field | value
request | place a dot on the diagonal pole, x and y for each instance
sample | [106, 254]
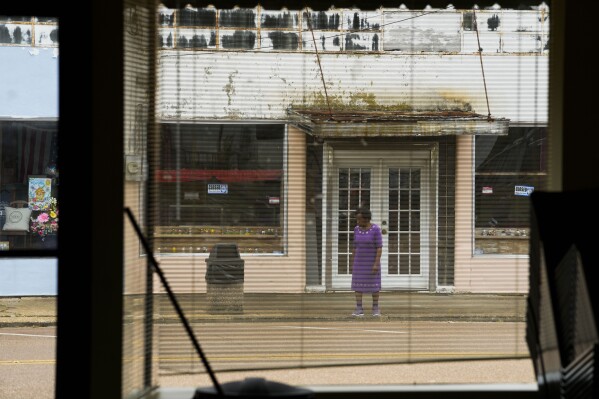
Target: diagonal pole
[173, 299]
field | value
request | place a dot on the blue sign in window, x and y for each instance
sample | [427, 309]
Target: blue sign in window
[218, 188]
[523, 191]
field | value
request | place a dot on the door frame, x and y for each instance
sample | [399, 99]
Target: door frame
[423, 155]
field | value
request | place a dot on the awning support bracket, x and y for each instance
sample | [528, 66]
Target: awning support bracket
[480, 54]
[326, 95]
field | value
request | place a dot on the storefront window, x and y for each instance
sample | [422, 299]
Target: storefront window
[221, 183]
[28, 185]
[508, 169]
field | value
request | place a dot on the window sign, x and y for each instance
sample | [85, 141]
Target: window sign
[523, 191]
[218, 188]
[487, 190]
[40, 190]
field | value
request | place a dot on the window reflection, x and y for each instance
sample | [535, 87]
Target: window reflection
[221, 183]
[508, 169]
[28, 185]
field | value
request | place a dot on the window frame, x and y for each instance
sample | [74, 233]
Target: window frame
[541, 175]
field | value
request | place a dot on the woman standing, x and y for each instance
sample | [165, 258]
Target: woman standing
[366, 273]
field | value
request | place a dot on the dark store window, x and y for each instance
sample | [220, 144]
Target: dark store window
[221, 182]
[508, 169]
[28, 185]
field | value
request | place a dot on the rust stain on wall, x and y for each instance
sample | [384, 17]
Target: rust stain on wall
[354, 101]
[230, 87]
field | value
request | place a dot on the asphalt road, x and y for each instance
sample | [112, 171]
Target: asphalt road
[27, 362]
[308, 354]
[239, 346]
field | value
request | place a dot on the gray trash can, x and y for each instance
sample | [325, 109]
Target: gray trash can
[224, 279]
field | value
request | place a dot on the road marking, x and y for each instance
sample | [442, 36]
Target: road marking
[26, 362]
[29, 335]
[342, 329]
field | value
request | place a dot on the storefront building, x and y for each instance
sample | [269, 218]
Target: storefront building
[276, 125]
[28, 162]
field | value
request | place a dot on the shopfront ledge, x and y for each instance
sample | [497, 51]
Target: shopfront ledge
[339, 124]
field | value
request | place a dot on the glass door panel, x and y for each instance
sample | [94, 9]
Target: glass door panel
[395, 186]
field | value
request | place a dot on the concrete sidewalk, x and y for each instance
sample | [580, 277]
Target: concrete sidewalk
[27, 311]
[41, 311]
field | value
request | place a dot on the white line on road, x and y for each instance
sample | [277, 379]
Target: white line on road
[29, 335]
[342, 329]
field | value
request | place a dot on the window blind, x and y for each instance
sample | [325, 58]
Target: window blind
[273, 127]
[139, 368]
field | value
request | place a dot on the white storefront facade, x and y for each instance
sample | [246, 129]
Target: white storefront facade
[272, 143]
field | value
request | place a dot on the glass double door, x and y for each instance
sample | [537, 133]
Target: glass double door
[395, 186]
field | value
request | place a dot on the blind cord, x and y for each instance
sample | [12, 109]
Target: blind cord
[171, 295]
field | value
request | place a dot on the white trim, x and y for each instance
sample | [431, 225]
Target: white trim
[378, 160]
[326, 158]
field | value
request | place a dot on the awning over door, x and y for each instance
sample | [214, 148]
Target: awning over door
[337, 124]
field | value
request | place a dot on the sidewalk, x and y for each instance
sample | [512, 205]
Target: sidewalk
[41, 311]
[27, 311]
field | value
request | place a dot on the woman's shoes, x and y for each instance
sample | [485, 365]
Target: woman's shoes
[358, 312]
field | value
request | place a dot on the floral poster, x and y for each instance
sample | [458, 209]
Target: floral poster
[47, 221]
[40, 191]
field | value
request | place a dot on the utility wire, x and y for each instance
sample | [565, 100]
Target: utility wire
[480, 54]
[326, 95]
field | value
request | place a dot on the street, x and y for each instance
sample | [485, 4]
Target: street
[244, 346]
[27, 362]
[300, 353]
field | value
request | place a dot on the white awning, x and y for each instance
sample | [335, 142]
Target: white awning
[338, 124]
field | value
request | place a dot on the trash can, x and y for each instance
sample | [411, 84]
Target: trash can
[224, 279]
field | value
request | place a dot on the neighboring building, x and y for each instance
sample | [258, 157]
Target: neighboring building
[277, 125]
[28, 137]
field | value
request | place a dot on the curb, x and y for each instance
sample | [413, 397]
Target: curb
[285, 318]
[259, 318]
